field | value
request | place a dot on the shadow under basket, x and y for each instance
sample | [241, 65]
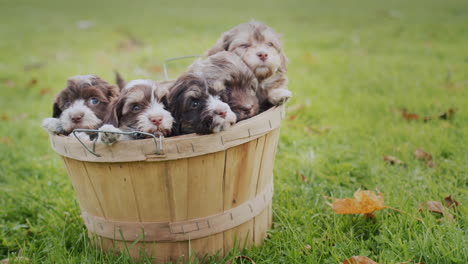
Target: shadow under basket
[198, 197]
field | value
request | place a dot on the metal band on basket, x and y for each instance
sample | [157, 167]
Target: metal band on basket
[183, 230]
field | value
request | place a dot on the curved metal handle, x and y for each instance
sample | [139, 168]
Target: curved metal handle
[158, 141]
[166, 75]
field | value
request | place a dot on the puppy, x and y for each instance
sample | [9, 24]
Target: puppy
[261, 49]
[198, 108]
[82, 104]
[140, 107]
[225, 70]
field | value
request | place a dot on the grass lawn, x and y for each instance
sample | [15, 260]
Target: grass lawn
[353, 66]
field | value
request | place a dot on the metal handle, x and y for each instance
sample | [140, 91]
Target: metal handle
[158, 141]
[166, 75]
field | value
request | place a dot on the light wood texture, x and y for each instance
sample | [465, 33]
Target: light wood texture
[199, 177]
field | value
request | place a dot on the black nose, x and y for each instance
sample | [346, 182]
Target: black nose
[262, 55]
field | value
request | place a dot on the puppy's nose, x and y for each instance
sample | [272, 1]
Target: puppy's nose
[262, 55]
[156, 120]
[76, 118]
[221, 113]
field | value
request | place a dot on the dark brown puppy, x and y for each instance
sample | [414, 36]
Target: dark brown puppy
[225, 70]
[198, 108]
[140, 107]
[261, 49]
[82, 104]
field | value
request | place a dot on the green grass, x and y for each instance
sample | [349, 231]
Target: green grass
[353, 64]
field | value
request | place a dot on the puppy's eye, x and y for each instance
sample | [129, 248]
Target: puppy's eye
[270, 44]
[244, 46]
[195, 104]
[94, 101]
[135, 108]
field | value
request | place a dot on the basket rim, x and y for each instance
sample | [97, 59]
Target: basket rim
[176, 147]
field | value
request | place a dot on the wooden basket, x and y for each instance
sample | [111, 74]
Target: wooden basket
[197, 198]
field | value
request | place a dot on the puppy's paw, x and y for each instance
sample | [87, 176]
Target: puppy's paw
[81, 135]
[109, 138]
[52, 125]
[279, 96]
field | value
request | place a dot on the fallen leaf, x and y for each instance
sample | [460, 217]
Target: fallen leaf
[409, 116]
[366, 202]
[292, 117]
[304, 179]
[422, 155]
[437, 207]
[307, 247]
[433, 206]
[240, 257]
[32, 82]
[45, 91]
[6, 140]
[393, 160]
[447, 114]
[450, 202]
[5, 118]
[155, 69]
[359, 260]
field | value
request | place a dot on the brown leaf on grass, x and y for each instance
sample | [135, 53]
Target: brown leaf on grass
[5, 118]
[292, 117]
[422, 155]
[365, 202]
[409, 116]
[240, 257]
[32, 82]
[450, 202]
[155, 69]
[437, 207]
[359, 260]
[393, 160]
[447, 114]
[6, 140]
[45, 91]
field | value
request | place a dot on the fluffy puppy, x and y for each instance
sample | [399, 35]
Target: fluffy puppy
[259, 46]
[198, 108]
[140, 107]
[82, 104]
[226, 71]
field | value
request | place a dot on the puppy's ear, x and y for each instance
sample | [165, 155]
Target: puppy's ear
[56, 112]
[112, 91]
[115, 114]
[284, 61]
[222, 44]
[119, 80]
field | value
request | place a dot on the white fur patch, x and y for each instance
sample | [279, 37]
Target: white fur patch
[82, 79]
[52, 125]
[133, 83]
[89, 119]
[214, 104]
[156, 110]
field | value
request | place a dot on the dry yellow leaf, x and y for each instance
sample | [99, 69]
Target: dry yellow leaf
[365, 202]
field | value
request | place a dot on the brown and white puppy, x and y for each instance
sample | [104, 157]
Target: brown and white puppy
[259, 46]
[198, 108]
[225, 70]
[82, 104]
[140, 107]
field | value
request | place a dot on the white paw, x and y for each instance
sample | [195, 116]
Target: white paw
[279, 96]
[81, 135]
[109, 138]
[52, 125]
